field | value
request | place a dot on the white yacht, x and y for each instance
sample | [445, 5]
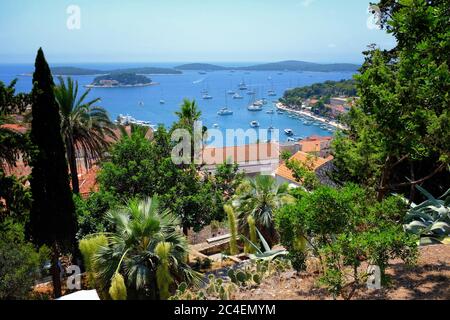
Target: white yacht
[271, 93]
[289, 132]
[237, 96]
[258, 103]
[162, 101]
[206, 96]
[231, 92]
[254, 124]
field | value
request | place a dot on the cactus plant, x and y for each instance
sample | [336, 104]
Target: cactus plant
[233, 229]
[241, 277]
[163, 276]
[256, 278]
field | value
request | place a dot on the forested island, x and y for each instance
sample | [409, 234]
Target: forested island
[115, 80]
[75, 71]
[318, 90]
[290, 65]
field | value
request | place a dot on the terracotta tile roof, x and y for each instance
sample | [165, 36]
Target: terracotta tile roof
[318, 138]
[19, 170]
[302, 157]
[242, 154]
[15, 127]
[88, 182]
[313, 143]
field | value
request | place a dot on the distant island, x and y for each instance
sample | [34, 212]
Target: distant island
[75, 71]
[290, 65]
[121, 80]
[201, 67]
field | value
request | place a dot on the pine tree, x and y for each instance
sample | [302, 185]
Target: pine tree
[52, 219]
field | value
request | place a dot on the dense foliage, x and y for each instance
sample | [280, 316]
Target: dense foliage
[399, 132]
[12, 143]
[123, 79]
[297, 96]
[20, 263]
[342, 228]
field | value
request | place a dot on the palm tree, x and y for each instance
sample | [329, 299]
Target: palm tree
[189, 113]
[260, 198]
[85, 127]
[147, 249]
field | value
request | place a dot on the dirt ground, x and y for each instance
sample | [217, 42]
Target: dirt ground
[430, 279]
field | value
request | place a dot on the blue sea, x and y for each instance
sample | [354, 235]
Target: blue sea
[143, 103]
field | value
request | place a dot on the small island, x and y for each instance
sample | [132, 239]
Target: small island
[121, 80]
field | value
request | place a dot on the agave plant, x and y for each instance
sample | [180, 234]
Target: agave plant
[268, 253]
[431, 219]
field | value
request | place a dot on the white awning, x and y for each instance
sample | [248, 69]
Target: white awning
[81, 295]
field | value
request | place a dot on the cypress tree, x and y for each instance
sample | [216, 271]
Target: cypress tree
[52, 219]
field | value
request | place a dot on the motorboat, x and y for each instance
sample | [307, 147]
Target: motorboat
[289, 132]
[254, 124]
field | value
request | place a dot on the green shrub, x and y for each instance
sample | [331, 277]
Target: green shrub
[89, 247]
[20, 263]
[91, 212]
[342, 228]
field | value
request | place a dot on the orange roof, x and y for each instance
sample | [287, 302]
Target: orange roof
[318, 138]
[19, 170]
[304, 158]
[241, 154]
[15, 127]
[88, 182]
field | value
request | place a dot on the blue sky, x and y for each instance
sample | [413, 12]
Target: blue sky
[188, 30]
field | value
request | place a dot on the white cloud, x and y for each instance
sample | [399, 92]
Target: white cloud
[306, 3]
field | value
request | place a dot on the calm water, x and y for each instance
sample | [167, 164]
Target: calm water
[173, 88]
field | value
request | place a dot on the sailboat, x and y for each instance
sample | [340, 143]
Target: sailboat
[271, 92]
[206, 95]
[162, 101]
[255, 105]
[225, 111]
[243, 86]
